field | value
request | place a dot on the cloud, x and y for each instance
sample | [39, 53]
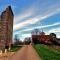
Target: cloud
[51, 25]
[25, 35]
[58, 23]
[31, 20]
[19, 20]
[54, 30]
[58, 36]
[22, 24]
[25, 21]
[23, 15]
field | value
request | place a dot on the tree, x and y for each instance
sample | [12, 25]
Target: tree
[55, 40]
[53, 34]
[16, 37]
[17, 40]
[35, 32]
[27, 40]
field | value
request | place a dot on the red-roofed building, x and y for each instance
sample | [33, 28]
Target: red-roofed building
[41, 38]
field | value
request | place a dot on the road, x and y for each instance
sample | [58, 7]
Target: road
[27, 52]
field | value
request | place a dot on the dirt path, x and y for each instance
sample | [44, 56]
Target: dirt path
[4, 56]
[27, 52]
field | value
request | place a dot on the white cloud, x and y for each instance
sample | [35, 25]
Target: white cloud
[48, 25]
[26, 35]
[26, 13]
[58, 9]
[27, 22]
[58, 36]
[54, 30]
[58, 23]
[31, 16]
[22, 16]
[31, 20]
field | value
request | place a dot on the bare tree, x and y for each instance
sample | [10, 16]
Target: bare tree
[35, 32]
[16, 37]
[17, 40]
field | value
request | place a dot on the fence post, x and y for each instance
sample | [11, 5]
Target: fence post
[5, 50]
[0, 52]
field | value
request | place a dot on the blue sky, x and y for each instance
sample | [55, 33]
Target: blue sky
[31, 14]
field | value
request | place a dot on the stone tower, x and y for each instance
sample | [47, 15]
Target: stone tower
[6, 28]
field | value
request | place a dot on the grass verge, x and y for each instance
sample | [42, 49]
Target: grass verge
[45, 53]
[15, 48]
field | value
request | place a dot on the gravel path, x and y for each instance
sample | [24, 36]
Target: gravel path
[27, 52]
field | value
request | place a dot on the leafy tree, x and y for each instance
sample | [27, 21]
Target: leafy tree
[53, 34]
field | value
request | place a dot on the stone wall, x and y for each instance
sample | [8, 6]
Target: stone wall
[6, 27]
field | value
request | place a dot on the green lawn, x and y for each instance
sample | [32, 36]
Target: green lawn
[15, 48]
[45, 53]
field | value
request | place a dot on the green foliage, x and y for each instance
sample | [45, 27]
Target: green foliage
[45, 53]
[15, 48]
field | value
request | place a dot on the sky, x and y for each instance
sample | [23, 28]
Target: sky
[31, 14]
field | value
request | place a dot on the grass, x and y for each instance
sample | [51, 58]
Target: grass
[54, 48]
[45, 53]
[15, 48]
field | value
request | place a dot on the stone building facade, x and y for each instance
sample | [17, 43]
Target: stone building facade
[6, 28]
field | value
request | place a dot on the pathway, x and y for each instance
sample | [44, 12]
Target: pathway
[27, 52]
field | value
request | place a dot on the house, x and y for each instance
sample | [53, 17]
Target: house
[41, 38]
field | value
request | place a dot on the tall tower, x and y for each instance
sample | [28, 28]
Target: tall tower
[7, 26]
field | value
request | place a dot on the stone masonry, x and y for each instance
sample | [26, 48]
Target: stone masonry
[6, 28]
